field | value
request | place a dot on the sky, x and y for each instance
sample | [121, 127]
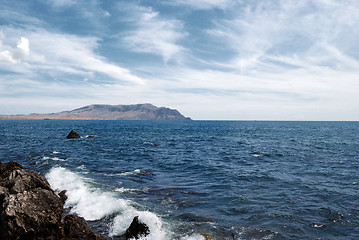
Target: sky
[209, 59]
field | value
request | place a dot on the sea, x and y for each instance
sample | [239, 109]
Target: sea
[199, 180]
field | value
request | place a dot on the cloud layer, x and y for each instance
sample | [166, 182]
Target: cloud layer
[221, 59]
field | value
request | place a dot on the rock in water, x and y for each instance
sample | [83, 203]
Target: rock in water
[72, 135]
[75, 227]
[137, 229]
[63, 196]
[30, 209]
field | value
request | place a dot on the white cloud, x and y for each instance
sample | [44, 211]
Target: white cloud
[205, 4]
[64, 54]
[23, 49]
[154, 34]
[262, 30]
[7, 57]
[62, 3]
[18, 54]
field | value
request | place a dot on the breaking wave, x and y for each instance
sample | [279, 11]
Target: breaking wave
[93, 203]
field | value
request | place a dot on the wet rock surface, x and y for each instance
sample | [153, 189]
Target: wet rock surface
[137, 229]
[30, 209]
[73, 135]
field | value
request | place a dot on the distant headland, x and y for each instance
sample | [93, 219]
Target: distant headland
[145, 111]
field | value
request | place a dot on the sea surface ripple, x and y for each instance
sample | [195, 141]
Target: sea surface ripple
[199, 179]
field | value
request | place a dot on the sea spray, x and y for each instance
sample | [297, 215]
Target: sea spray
[120, 224]
[94, 204]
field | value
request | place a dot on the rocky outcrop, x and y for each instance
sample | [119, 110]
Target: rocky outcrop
[30, 209]
[72, 135]
[137, 229]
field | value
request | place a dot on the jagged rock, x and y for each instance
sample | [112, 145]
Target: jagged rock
[77, 228]
[137, 229]
[30, 209]
[63, 196]
[72, 135]
[6, 169]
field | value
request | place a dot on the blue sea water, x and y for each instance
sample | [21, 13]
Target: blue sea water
[199, 179]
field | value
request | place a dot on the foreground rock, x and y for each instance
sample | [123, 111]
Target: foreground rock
[30, 209]
[72, 135]
[137, 229]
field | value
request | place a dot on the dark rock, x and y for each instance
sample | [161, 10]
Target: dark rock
[19, 181]
[72, 135]
[137, 229]
[30, 209]
[75, 227]
[63, 196]
[147, 173]
[30, 215]
[6, 169]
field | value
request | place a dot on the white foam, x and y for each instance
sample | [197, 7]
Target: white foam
[90, 203]
[82, 167]
[52, 158]
[123, 190]
[136, 171]
[257, 155]
[194, 237]
[121, 223]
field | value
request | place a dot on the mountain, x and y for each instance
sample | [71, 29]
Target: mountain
[110, 112]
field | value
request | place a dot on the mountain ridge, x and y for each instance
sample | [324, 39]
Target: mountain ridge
[144, 111]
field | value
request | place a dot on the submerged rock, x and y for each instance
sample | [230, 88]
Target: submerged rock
[137, 229]
[30, 209]
[72, 135]
[146, 173]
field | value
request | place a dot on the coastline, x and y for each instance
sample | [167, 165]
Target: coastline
[31, 209]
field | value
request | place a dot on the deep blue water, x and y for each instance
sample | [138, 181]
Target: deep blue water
[228, 180]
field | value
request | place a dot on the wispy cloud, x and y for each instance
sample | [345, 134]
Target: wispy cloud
[205, 4]
[154, 34]
[65, 54]
[292, 29]
[62, 3]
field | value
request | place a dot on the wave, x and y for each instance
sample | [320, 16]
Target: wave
[93, 203]
[53, 158]
[90, 203]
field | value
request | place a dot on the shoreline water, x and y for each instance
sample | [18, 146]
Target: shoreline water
[241, 180]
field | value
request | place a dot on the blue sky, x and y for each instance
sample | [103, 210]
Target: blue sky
[213, 59]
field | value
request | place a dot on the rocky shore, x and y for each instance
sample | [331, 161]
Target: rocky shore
[31, 209]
